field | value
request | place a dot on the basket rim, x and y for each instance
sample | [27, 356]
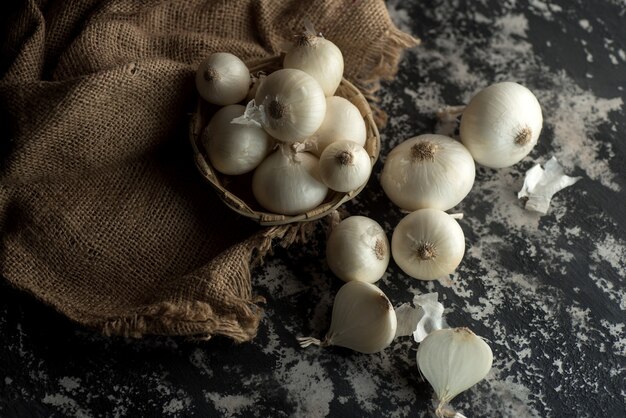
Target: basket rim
[266, 218]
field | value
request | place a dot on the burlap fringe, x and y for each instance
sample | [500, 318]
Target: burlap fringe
[285, 235]
[197, 319]
[170, 316]
[383, 65]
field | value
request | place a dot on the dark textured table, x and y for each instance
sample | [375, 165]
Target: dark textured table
[547, 292]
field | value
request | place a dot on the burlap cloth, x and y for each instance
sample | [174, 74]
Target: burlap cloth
[102, 213]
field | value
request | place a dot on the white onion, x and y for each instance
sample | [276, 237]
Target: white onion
[222, 79]
[453, 360]
[358, 249]
[428, 244]
[363, 320]
[343, 122]
[319, 58]
[288, 183]
[291, 105]
[428, 171]
[501, 124]
[234, 149]
[345, 166]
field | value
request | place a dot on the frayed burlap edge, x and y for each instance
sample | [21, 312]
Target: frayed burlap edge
[239, 320]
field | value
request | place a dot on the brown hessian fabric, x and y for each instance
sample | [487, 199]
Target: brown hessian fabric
[102, 213]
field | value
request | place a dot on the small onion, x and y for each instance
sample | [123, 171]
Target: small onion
[234, 149]
[428, 171]
[292, 105]
[345, 166]
[222, 79]
[363, 320]
[358, 249]
[501, 124]
[343, 122]
[453, 360]
[428, 244]
[319, 57]
[288, 183]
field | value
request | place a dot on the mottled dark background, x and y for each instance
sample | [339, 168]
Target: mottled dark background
[547, 292]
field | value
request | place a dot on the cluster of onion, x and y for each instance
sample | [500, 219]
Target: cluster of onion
[425, 175]
[364, 320]
[299, 139]
[429, 174]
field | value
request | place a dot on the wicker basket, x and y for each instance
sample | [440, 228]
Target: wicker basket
[236, 191]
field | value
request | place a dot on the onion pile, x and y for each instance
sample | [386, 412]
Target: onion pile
[425, 176]
[429, 174]
[299, 139]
